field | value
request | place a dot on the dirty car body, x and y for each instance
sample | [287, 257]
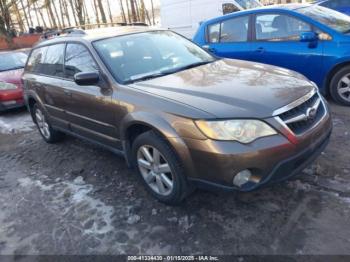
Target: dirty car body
[181, 117]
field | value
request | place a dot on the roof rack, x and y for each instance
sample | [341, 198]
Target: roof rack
[65, 31]
[79, 30]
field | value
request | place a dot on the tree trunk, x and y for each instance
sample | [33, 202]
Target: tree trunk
[142, 11]
[153, 21]
[102, 11]
[128, 9]
[56, 13]
[50, 12]
[73, 12]
[61, 12]
[18, 16]
[96, 14]
[25, 13]
[109, 11]
[137, 10]
[41, 14]
[65, 7]
[86, 13]
[133, 11]
[5, 23]
[122, 11]
[80, 12]
[29, 15]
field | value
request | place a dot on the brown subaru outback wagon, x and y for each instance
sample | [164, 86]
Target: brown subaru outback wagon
[181, 117]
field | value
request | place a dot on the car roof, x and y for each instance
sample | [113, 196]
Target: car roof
[91, 35]
[287, 7]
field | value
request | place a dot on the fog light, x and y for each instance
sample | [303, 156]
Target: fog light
[242, 177]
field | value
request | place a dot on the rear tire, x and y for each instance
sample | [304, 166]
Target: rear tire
[49, 134]
[159, 168]
[340, 86]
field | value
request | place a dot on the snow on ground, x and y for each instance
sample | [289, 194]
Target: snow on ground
[15, 122]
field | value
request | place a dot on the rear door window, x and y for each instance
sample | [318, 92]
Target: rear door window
[53, 60]
[229, 31]
[78, 59]
[36, 60]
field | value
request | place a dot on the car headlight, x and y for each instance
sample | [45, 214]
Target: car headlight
[7, 86]
[243, 131]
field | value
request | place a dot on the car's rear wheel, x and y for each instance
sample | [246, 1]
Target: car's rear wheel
[46, 131]
[340, 86]
[160, 169]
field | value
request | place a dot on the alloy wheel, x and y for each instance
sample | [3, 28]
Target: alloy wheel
[155, 170]
[42, 124]
[344, 87]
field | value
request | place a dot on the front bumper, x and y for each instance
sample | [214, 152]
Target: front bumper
[213, 164]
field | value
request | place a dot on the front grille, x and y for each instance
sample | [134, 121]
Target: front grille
[304, 116]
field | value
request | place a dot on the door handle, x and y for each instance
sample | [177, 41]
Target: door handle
[260, 50]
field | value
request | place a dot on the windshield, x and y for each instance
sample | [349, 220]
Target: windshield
[248, 4]
[151, 54]
[328, 17]
[11, 61]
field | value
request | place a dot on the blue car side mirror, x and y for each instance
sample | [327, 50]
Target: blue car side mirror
[308, 37]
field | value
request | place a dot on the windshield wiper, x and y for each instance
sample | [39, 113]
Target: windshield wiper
[167, 72]
[172, 71]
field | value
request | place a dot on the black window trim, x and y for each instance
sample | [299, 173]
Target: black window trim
[64, 58]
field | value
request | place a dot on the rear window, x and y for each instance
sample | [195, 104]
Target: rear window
[12, 61]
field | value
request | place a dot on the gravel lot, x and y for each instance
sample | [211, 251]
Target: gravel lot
[76, 198]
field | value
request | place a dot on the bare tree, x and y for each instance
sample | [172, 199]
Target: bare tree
[50, 13]
[128, 9]
[109, 11]
[66, 13]
[18, 15]
[153, 22]
[133, 11]
[79, 8]
[56, 13]
[60, 4]
[29, 16]
[102, 11]
[122, 10]
[96, 13]
[5, 21]
[25, 13]
[39, 10]
[73, 12]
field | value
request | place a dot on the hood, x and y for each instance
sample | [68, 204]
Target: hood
[231, 88]
[11, 76]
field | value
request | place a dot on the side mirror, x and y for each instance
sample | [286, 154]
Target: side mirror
[308, 37]
[87, 78]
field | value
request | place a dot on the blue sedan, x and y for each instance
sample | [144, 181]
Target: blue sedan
[310, 39]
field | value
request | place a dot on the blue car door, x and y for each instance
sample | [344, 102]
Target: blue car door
[230, 38]
[277, 42]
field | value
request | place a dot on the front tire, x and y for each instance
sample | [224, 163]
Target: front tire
[340, 86]
[45, 129]
[160, 169]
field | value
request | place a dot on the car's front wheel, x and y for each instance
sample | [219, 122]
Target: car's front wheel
[160, 169]
[46, 131]
[340, 86]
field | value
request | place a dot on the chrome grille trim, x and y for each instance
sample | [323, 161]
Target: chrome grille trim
[295, 103]
[316, 103]
[303, 117]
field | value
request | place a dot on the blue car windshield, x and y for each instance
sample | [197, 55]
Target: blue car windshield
[333, 19]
